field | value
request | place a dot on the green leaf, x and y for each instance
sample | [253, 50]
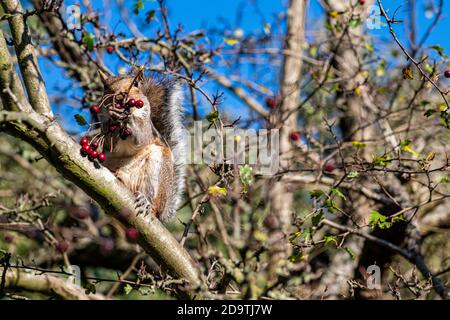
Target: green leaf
[398, 218]
[317, 218]
[353, 174]
[150, 16]
[127, 289]
[429, 113]
[213, 116]
[439, 50]
[307, 234]
[316, 194]
[138, 6]
[330, 239]
[338, 193]
[376, 219]
[330, 205]
[350, 253]
[381, 161]
[88, 40]
[246, 175]
[80, 119]
[354, 23]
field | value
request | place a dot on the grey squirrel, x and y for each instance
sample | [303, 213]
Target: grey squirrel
[150, 162]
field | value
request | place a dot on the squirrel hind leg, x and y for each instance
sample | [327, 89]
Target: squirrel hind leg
[142, 204]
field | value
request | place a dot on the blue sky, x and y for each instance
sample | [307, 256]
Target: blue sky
[207, 14]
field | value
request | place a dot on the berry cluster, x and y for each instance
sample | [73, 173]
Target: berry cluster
[126, 106]
[120, 109]
[89, 149]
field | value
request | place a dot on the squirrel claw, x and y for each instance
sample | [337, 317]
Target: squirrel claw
[142, 204]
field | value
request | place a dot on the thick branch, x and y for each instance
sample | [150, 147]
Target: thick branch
[47, 137]
[45, 283]
[26, 56]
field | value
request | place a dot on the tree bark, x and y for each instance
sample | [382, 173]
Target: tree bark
[285, 118]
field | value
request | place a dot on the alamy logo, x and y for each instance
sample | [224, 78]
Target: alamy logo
[75, 277]
[73, 17]
[373, 277]
[234, 146]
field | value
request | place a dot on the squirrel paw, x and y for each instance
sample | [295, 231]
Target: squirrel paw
[142, 204]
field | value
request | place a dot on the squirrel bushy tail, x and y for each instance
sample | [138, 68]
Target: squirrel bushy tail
[165, 96]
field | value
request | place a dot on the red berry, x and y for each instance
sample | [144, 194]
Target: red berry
[85, 149]
[93, 155]
[101, 157]
[113, 127]
[447, 74]
[131, 102]
[110, 49]
[79, 212]
[106, 246]
[94, 145]
[271, 102]
[362, 2]
[132, 234]
[329, 167]
[125, 133]
[84, 141]
[295, 136]
[95, 109]
[62, 246]
[8, 238]
[139, 104]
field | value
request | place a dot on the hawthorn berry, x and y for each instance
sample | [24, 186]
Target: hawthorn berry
[106, 246]
[132, 234]
[93, 154]
[131, 102]
[95, 108]
[447, 74]
[295, 136]
[139, 104]
[85, 149]
[62, 246]
[101, 157]
[79, 212]
[125, 133]
[113, 127]
[271, 102]
[329, 167]
[94, 145]
[84, 141]
[110, 49]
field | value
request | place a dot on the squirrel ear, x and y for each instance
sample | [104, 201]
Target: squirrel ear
[103, 77]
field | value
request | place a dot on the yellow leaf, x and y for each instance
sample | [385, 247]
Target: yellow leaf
[260, 236]
[358, 91]
[430, 156]
[217, 192]
[441, 106]
[334, 14]
[408, 149]
[231, 42]
[408, 74]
